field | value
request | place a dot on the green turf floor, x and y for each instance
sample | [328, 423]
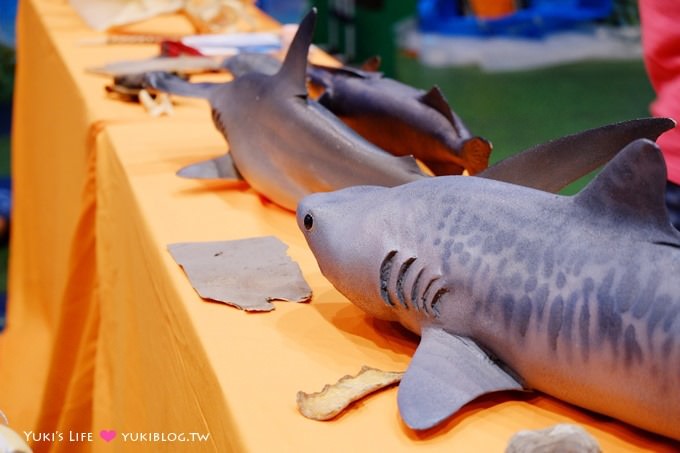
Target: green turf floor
[516, 110]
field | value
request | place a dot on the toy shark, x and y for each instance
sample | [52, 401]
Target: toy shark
[402, 119]
[287, 146]
[512, 288]
[396, 117]
[284, 145]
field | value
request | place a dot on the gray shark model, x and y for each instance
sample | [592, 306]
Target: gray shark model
[281, 143]
[512, 288]
[551, 165]
[402, 119]
[287, 146]
[396, 117]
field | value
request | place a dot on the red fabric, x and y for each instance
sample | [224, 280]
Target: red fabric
[661, 48]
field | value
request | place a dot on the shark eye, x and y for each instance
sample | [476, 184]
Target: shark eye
[309, 222]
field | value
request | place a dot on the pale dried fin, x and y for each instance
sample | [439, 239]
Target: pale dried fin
[562, 437]
[334, 399]
[11, 441]
[155, 107]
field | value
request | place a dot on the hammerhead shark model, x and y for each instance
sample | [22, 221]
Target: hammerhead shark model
[287, 146]
[512, 288]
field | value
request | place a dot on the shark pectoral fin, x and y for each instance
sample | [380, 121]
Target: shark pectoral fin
[447, 372]
[219, 168]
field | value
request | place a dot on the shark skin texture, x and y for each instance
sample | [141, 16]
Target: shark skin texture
[512, 288]
[287, 146]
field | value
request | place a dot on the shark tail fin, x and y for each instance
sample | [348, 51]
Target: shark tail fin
[292, 77]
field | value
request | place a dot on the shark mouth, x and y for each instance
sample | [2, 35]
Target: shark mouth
[424, 295]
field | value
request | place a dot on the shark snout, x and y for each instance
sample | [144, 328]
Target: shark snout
[328, 205]
[305, 211]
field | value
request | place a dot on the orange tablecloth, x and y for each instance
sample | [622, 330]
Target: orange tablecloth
[104, 329]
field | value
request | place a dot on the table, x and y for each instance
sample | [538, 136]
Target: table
[105, 334]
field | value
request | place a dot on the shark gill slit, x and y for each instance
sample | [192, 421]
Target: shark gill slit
[385, 272]
[414, 290]
[401, 276]
[217, 120]
[434, 304]
[423, 298]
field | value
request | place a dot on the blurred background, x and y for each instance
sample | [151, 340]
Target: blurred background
[518, 72]
[7, 63]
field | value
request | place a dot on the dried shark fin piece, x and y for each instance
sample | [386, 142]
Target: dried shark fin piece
[11, 441]
[333, 399]
[562, 437]
[446, 373]
[246, 273]
[155, 107]
[185, 64]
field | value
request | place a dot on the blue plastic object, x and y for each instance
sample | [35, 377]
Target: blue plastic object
[540, 18]
[285, 11]
[8, 13]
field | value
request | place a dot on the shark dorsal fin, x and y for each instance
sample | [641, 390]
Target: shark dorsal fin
[292, 77]
[447, 372]
[629, 193]
[435, 99]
